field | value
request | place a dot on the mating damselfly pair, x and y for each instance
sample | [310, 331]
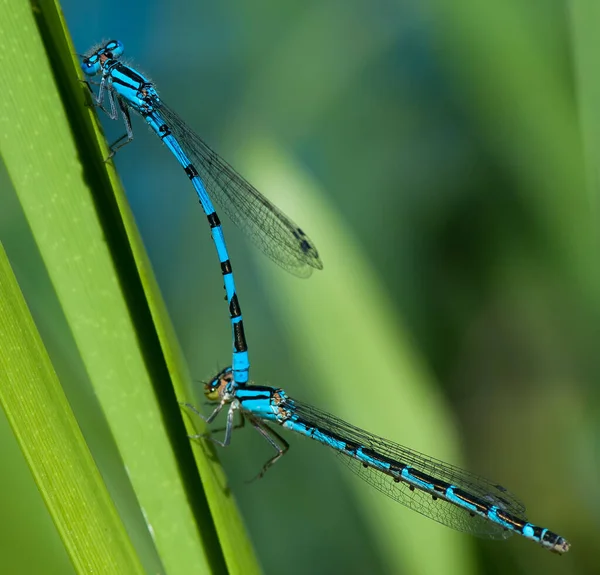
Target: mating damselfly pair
[438, 490]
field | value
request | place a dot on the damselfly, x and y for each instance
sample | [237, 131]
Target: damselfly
[438, 490]
[125, 89]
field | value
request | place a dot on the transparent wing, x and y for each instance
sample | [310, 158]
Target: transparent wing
[267, 226]
[418, 500]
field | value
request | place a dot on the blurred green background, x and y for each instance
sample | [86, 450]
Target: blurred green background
[434, 151]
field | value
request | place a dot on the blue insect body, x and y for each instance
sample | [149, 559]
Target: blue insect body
[438, 490]
[125, 89]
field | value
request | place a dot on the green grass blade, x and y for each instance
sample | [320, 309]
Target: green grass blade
[345, 325]
[585, 16]
[86, 236]
[47, 432]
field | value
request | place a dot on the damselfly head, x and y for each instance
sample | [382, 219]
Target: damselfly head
[92, 64]
[217, 386]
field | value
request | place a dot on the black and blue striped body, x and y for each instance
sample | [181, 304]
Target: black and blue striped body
[438, 490]
[241, 363]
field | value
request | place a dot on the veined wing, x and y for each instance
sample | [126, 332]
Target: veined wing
[428, 503]
[265, 224]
